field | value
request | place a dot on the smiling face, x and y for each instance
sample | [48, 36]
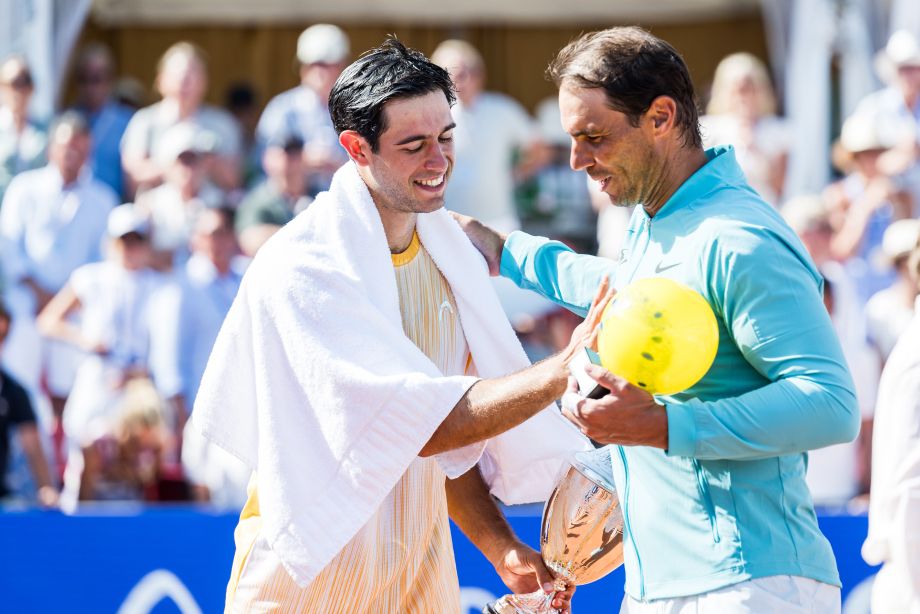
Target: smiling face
[619, 156]
[415, 155]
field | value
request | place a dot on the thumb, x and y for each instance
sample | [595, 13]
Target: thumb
[544, 577]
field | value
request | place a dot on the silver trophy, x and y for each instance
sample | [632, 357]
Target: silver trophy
[581, 538]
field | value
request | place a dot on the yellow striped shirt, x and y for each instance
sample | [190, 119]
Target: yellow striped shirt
[402, 560]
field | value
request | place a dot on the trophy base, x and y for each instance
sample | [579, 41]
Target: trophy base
[537, 602]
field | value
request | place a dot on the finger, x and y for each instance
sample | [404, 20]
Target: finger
[572, 385]
[571, 417]
[604, 377]
[599, 295]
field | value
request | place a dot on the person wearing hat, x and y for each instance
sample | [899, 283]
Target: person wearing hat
[898, 103]
[52, 221]
[182, 80]
[866, 201]
[492, 129]
[322, 51]
[184, 153]
[121, 303]
[282, 195]
[889, 311]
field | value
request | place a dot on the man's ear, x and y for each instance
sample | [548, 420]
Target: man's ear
[356, 146]
[662, 115]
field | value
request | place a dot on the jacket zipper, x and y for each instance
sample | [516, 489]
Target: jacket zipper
[707, 500]
[632, 536]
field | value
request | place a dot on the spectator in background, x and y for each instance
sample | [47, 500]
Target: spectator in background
[279, 198]
[209, 283]
[898, 104]
[558, 203]
[183, 154]
[742, 113]
[182, 80]
[495, 141]
[52, 222]
[240, 101]
[124, 463]
[894, 503]
[838, 473]
[22, 138]
[95, 76]
[889, 311]
[16, 416]
[322, 51]
[123, 318]
[865, 202]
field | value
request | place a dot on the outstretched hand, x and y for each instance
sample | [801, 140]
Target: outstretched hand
[585, 334]
[489, 242]
[522, 570]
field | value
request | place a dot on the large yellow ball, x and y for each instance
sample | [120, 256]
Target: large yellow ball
[659, 335]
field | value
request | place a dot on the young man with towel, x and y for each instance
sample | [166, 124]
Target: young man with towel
[347, 375]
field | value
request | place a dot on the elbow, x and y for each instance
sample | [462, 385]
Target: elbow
[844, 427]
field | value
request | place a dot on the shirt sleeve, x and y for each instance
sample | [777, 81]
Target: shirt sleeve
[773, 309]
[554, 271]
[20, 407]
[12, 230]
[136, 141]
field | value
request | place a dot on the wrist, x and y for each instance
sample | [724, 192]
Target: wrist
[497, 547]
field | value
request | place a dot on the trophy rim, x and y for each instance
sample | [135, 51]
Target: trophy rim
[593, 473]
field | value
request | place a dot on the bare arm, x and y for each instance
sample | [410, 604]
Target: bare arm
[31, 445]
[519, 566]
[492, 406]
[53, 322]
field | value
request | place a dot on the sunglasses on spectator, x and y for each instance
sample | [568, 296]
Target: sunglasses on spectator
[20, 82]
[134, 238]
[93, 78]
[189, 158]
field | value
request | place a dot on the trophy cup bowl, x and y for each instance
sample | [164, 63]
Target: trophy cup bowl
[581, 537]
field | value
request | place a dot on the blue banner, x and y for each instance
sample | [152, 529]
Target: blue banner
[137, 560]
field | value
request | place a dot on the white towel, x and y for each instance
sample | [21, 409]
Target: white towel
[313, 383]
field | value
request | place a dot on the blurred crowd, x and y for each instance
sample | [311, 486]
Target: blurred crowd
[125, 231]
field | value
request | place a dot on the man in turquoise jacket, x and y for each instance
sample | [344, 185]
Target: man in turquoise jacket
[712, 480]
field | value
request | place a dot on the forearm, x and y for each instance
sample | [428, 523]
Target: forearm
[785, 417]
[31, 445]
[553, 270]
[492, 406]
[474, 510]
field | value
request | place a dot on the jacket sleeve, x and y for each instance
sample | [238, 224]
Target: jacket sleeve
[771, 302]
[554, 271]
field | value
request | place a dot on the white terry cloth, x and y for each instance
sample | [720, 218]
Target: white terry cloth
[313, 383]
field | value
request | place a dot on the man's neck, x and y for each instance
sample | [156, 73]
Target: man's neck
[399, 226]
[677, 170]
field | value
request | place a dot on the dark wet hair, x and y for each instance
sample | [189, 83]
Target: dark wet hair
[391, 71]
[633, 67]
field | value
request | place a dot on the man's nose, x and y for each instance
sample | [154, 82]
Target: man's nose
[579, 159]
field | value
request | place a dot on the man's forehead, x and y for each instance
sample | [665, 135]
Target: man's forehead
[417, 115]
[580, 107]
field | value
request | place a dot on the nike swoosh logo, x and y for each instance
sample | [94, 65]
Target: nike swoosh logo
[661, 269]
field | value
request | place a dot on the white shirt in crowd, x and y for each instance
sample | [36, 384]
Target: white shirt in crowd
[49, 229]
[147, 126]
[756, 153]
[485, 139]
[300, 111]
[887, 318]
[126, 312]
[173, 219]
[894, 503]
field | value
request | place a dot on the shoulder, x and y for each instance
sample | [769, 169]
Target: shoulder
[18, 399]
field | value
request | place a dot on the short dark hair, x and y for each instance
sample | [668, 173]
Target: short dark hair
[389, 72]
[633, 67]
